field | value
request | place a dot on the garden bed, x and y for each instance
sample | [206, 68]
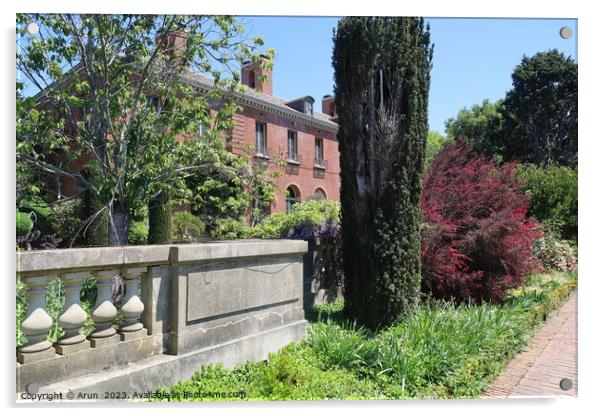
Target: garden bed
[445, 350]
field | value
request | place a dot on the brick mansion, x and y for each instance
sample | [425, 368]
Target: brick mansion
[292, 131]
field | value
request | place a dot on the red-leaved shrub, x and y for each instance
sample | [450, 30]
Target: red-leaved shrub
[477, 240]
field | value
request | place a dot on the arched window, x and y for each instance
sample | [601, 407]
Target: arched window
[318, 194]
[293, 196]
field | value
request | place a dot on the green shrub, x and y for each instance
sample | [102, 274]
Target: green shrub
[555, 254]
[41, 212]
[21, 291]
[65, 217]
[24, 224]
[344, 346]
[159, 220]
[553, 191]
[303, 218]
[228, 229]
[138, 233]
[96, 230]
[186, 227]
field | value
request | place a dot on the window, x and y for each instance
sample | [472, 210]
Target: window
[318, 194]
[292, 197]
[319, 160]
[260, 140]
[292, 146]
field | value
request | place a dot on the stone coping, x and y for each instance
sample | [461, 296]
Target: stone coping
[34, 262]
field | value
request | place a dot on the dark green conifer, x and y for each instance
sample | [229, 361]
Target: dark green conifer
[382, 78]
[159, 219]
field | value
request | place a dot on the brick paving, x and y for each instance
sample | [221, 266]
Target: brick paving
[550, 357]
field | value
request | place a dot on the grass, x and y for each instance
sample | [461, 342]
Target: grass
[444, 351]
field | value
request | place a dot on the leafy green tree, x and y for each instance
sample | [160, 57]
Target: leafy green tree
[541, 110]
[382, 77]
[481, 126]
[110, 95]
[537, 120]
[435, 142]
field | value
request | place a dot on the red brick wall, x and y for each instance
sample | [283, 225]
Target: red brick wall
[305, 177]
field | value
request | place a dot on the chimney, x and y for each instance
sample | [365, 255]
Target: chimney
[250, 73]
[174, 44]
[328, 106]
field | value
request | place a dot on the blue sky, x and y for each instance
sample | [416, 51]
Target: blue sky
[473, 60]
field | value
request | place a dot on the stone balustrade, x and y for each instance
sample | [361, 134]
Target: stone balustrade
[107, 329]
[162, 311]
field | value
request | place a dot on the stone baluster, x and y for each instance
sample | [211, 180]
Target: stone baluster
[37, 322]
[104, 311]
[72, 316]
[132, 307]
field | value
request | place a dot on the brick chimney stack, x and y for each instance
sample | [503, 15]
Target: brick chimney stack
[328, 106]
[250, 73]
[174, 44]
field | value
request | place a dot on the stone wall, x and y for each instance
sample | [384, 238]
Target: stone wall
[183, 306]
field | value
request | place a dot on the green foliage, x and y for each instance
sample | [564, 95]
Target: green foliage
[24, 224]
[65, 219]
[443, 351]
[481, 126]
[228, 229]
[159, 219]
[345, 346]
[96, 219]
[186, 227]
[38, 209]
[21, 303]
[218, 189]
[134, 140]
[382, 141]
[554, 197]
[435, 142]
[541, 110]
[138, 233]
[537, 120]
[305, 215]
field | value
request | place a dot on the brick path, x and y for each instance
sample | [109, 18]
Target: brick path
[550, 357]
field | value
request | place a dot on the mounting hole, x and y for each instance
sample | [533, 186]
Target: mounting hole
[566, 384]
[566, 32]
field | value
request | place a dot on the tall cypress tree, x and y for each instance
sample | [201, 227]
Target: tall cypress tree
[382, 78]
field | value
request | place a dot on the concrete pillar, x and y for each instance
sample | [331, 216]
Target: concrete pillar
[132, 306]
[37, 322]
[104, 311]
[72, 316]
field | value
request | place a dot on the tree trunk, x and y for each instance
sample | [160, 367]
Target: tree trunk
[118, 227]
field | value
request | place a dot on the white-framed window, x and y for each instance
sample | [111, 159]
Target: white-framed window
[292, 146]
[260, 139]
[319, 159]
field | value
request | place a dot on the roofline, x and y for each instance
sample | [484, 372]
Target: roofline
[259, 104]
